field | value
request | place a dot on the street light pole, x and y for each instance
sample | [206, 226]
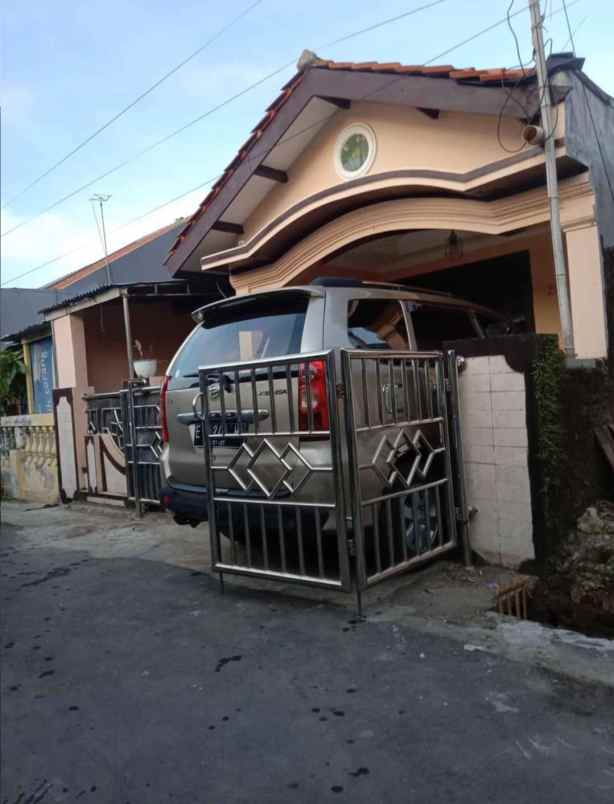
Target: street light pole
[552, 184]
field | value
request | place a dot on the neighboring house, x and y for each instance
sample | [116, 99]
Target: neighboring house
[422, 175]
[79, 336]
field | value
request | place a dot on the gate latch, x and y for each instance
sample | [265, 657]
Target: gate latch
[340, 390]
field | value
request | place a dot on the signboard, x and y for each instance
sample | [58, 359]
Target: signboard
[41, 365]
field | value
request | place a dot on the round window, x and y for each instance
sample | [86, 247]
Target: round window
[355, 151]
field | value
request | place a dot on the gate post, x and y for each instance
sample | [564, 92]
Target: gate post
[459, 472]
[131, 384]
[352, 484]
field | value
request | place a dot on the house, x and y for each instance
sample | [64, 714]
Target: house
[78, 337]
[426, 176]
[394, 172]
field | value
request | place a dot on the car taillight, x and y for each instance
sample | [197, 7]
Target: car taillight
[163, 414]
[312, 389]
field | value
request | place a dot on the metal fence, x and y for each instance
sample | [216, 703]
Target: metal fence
[142, 442]
[132, 418]
[275, 478]
[363, 493]
[399, 460]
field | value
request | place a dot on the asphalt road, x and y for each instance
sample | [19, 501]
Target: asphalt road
[132, 682]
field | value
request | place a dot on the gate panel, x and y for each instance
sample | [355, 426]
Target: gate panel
[142, 441]
[403, 506]
[272, 448]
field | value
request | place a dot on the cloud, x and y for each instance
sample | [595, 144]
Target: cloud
[75, 240]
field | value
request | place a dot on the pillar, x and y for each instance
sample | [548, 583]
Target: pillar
[71, 372]
[586, 289]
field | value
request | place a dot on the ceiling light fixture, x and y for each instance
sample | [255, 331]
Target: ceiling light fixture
[454, 246]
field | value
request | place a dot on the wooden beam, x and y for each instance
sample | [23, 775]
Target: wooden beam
[229, 228]
[271, 173]
[432, 113]
[340, 103]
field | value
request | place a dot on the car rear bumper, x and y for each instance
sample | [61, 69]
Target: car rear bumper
[187, 505]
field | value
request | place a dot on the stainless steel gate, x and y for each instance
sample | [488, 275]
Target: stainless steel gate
[399, 459]
[275, 473]
[343, 503]
[131, 417]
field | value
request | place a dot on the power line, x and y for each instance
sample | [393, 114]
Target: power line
[208, 113]
[114, 231]
[133, 103]
[256, 155]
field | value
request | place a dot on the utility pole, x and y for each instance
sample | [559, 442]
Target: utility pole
[101, 199]
[552, 184]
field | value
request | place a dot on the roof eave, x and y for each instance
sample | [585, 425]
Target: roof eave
[352, 85]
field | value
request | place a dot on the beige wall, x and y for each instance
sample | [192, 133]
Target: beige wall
[406, 139]
[69, 346]
[586, 290]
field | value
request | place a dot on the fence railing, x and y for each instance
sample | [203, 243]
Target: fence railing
[343, 457]
[112, 418]
[29, 458]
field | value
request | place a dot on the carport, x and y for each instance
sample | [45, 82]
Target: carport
[421, 175]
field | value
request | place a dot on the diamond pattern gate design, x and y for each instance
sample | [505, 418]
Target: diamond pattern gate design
[276, 501]
[404, 509]
[333, 468]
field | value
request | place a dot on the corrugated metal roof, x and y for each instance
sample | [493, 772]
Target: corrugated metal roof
[141, 261]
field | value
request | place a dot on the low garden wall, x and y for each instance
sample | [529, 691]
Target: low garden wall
[28, 459]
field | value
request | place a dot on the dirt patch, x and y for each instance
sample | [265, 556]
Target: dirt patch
[577, 588]
[451, 593]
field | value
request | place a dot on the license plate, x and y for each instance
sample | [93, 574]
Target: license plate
[216, 428]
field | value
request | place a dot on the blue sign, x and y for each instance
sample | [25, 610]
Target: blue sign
[41, 363]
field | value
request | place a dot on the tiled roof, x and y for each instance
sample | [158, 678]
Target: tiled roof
[466, 74]
[499, 76]
[87, 270]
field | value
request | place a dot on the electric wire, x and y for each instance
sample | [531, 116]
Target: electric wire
[257, 155]
[208, 113]
[133, 103]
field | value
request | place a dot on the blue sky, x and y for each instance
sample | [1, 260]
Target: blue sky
[66, 67]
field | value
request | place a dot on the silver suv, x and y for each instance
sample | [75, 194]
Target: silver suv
[327, 314]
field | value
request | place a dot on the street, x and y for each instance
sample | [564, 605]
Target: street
[134, 681]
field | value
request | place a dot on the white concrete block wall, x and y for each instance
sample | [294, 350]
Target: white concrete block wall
[495, 444]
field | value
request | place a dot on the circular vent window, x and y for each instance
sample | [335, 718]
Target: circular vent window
[355, 151]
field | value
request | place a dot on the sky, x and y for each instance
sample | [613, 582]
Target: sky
[68, 67]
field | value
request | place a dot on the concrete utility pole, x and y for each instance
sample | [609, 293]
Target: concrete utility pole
[560, 267]
[101, 200]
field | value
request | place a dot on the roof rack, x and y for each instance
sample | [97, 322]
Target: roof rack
[344, 282]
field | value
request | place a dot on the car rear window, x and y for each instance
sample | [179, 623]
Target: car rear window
[434, 325]
[252, 329]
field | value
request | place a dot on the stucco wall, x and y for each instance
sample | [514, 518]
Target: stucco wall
[406, 139]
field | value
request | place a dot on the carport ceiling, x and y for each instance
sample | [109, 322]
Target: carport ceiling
[398, 250]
